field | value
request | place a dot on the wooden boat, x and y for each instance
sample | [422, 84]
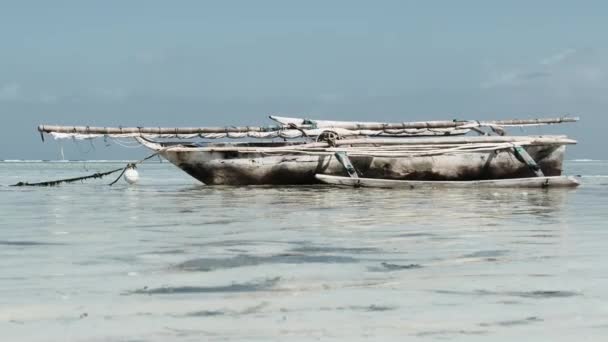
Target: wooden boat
[289, 163]
[334, 151]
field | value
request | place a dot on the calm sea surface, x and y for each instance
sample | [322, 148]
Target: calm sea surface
[170, 259]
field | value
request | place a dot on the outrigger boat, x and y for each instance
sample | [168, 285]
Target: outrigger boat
[387, 155]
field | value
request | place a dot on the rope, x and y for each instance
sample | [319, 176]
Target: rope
[133, 166]
[67, 180]
[293, 126]
[126, 143]
[95, 175]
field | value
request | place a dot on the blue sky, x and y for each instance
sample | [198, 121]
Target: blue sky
[196, 63]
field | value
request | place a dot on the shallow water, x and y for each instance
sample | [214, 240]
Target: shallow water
[170, 259]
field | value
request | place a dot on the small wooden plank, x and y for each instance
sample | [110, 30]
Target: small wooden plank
[531, 182]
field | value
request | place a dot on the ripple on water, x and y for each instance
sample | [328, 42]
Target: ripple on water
[227, 312]
[388, 267]
[211, 264]
[416, 235]
[166, 251]
[486, 254]
[511, 323]
[264, 285]
[446, 333]
[332, 249]
[365, 308]
[540, 294]
[29, 243]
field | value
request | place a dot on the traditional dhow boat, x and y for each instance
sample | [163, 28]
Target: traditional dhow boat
[356, 153]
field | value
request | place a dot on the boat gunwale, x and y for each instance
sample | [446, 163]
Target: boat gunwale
[544, 140]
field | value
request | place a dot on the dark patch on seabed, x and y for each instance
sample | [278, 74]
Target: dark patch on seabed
[330, 249]
[210, 264]
[227, 312]
[486, 254]
[522, 294]
[387, 267]
[451, 332]
[29, 243]
[173, 332]
[366, 308]
[207, 313]
[525, 321]
[415, 235]
[236, 287]
[220, 222]
[224, 243]
[167, 251]
[532, 243]
[542, 236]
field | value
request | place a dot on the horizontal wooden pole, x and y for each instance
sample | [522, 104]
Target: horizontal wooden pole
[446, 123]
[152, 130]
[536, 140]
[233, 129]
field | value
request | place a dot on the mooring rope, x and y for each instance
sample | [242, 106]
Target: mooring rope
[133, 165]
[95, 175]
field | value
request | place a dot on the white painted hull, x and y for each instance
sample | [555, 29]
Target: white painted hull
[531, 182]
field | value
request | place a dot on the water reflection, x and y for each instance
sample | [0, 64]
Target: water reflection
[393, 206]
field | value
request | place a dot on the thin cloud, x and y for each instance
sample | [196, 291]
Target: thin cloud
[504, 78]
[10, 92]
[150, 57]
[544, 69]
[514, 77]
[48, 98]
[534, 75]
[14, 92]
[109, 94]
[558, 57]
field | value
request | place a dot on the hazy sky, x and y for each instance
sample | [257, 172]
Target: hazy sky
[196, 63]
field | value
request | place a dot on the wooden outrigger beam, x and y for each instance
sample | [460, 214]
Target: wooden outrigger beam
[531, 182]
[345, 161]
[239, 129]
[523, 154]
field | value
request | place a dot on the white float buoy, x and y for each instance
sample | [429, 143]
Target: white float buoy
[131, 175]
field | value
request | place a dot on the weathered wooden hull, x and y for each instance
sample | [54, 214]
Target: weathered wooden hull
[254, 168]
